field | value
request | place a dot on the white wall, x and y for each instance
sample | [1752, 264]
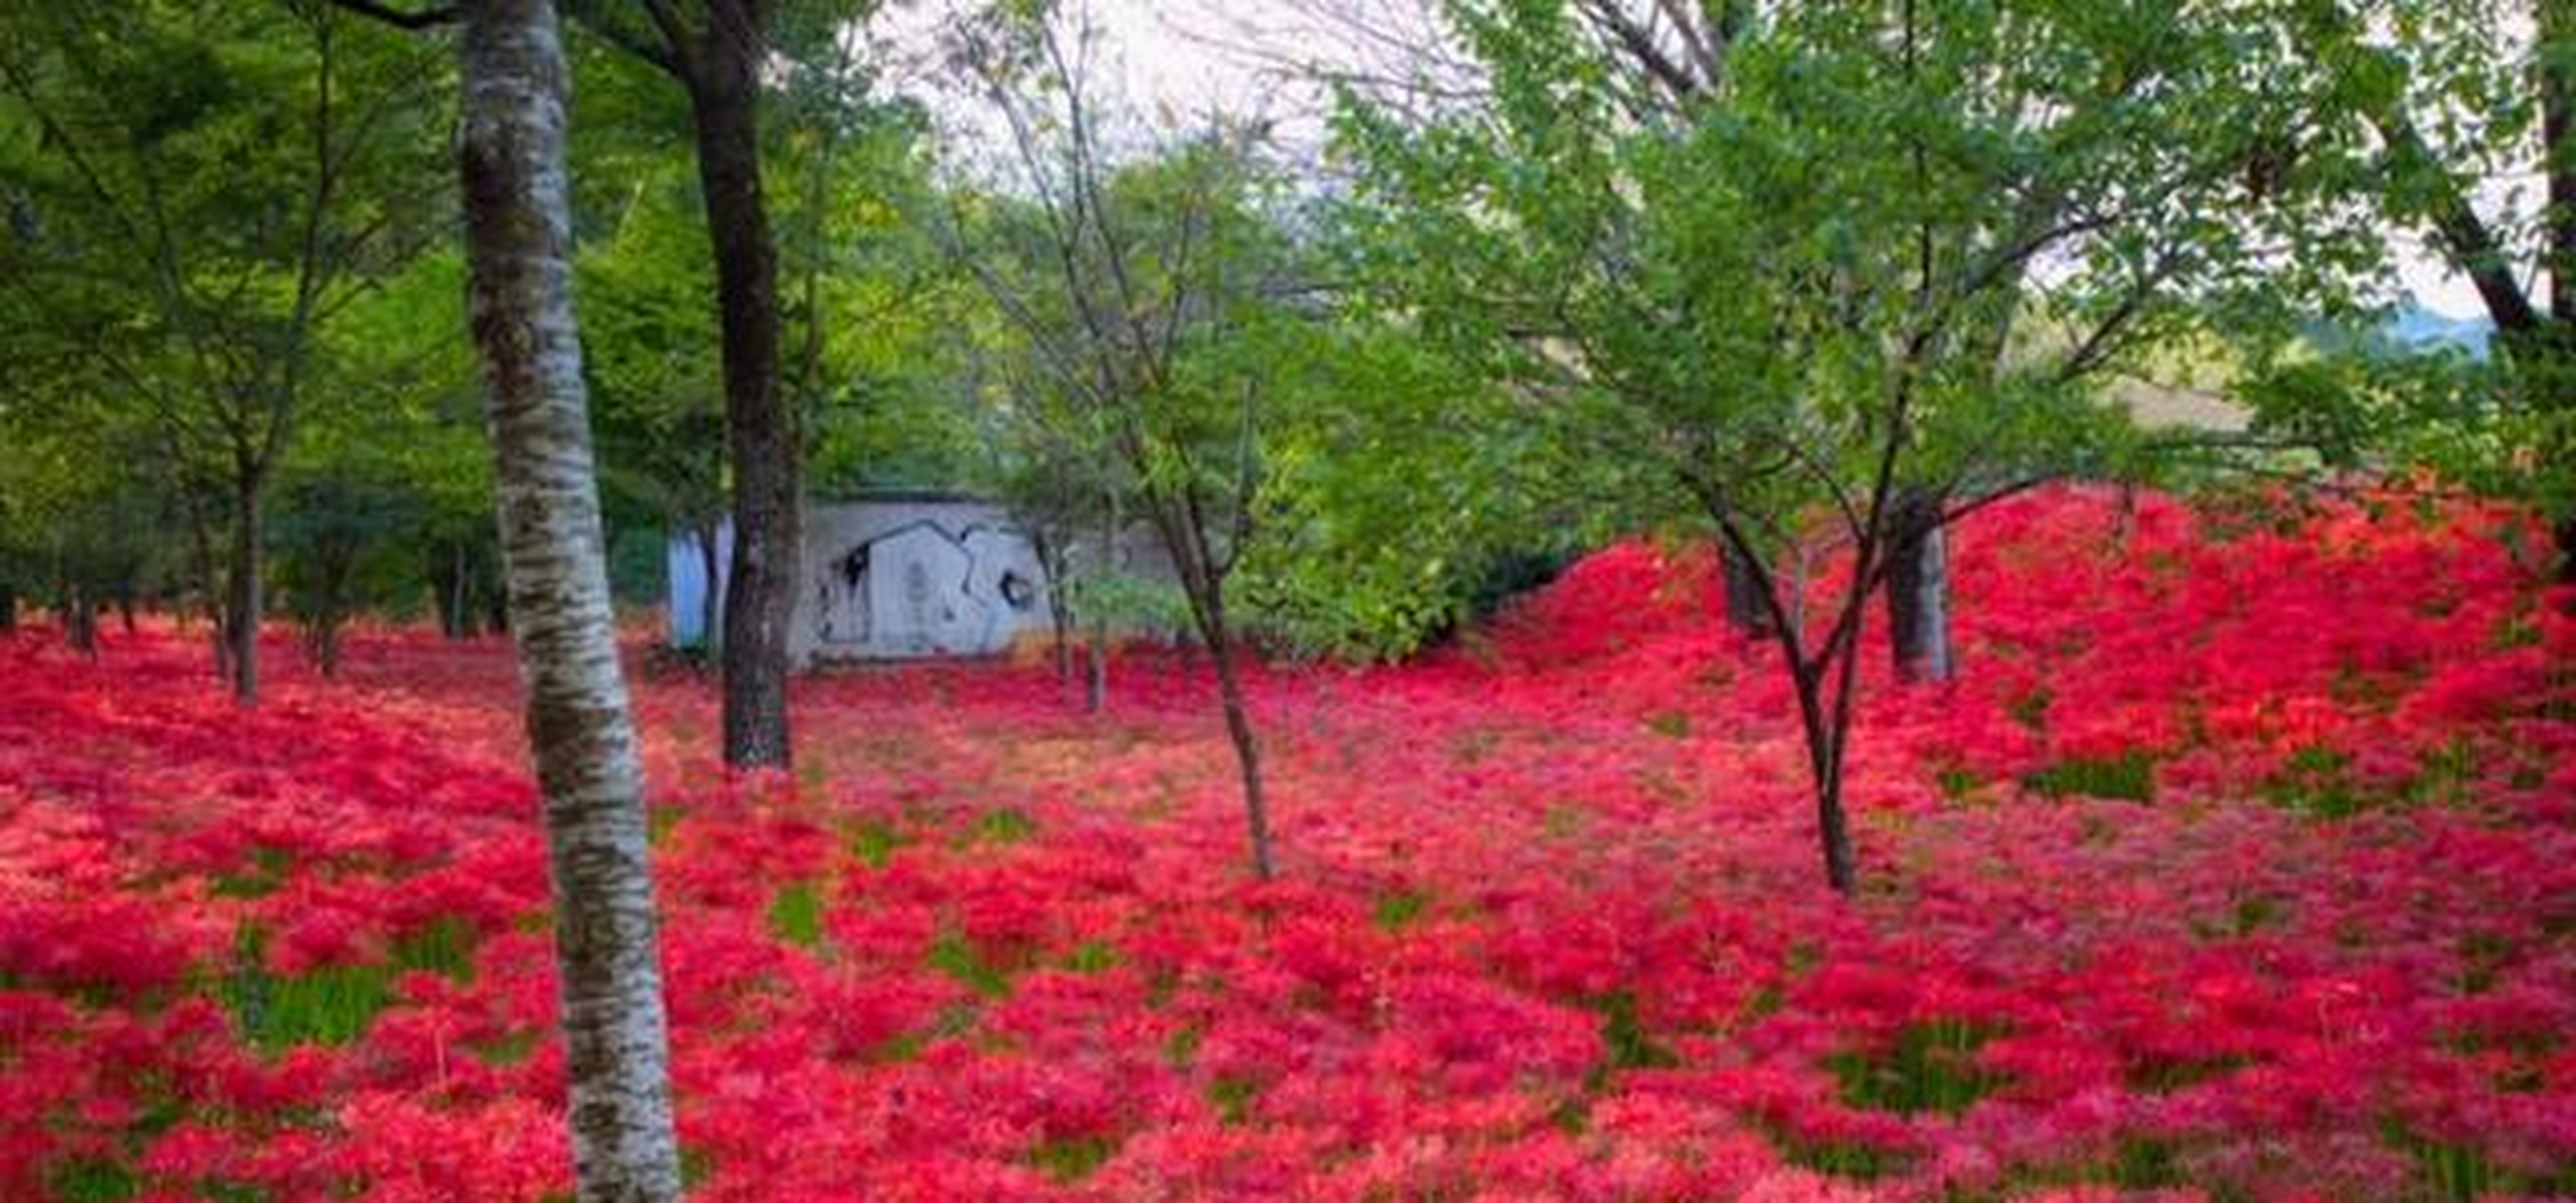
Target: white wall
[906, 578]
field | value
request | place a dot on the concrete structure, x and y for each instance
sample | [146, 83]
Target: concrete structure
[894, 576]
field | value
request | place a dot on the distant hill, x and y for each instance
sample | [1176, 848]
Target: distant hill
[2417, 328]
[2408, 330]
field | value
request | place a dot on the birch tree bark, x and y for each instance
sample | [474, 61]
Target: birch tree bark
[519, 301]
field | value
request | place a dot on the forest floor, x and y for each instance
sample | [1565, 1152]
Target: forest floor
[2239, 864]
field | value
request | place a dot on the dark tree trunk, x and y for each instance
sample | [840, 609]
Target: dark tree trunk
[1095, 679]
[1918, 589]
[519, 253]
[125, 604]
[760, 427]
[2556, 42]
[1745, 610]
[496, 605]
[1247, 749]
[447, 588]
[80, 620]
[1054, 561]
[242, 606]
[2565, 530]
[8, 608]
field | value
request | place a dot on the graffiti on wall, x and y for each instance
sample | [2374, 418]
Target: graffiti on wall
[918, 590]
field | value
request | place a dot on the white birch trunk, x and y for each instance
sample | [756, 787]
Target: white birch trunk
[518, 242]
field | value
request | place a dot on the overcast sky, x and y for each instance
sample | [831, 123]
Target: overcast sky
[1179, 56]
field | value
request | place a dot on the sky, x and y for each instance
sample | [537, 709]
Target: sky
[1179, 55]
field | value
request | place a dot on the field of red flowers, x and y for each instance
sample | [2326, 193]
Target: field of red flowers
[2240, 864]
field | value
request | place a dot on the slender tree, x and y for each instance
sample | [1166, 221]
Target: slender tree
[519, 246]
[1775, 279]
[716, 51]
[1142, 292]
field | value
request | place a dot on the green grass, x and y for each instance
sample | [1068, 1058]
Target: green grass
[1233, 1098]
[1932, 1068]
[874, 842]
[956, 955]
[1092, 956]
[331, 1004]
[1068, 1160]
[796, 914]
[1396, 910]
[92, 1180]
[1958, 784]
[2316, 780]
[1625, 1042]
[2129, 776]
[262, 877]
[1004, 827]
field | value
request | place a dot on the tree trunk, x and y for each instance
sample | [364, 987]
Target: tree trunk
[760, 428]
[518, 240]
[1247, 749]
[1095, 694]
[242, 608]
[1825, 728]
[8, 608]
[80, 621]
[1918, 589]
[1744, 609]
[1056, 562]
[125, 604]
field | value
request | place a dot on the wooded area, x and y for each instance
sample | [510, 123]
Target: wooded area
[1764, 336]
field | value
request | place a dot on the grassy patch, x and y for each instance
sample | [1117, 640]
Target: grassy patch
[1233, 1097]
[1396, 910]
[1625, 1042]
[874, 842]
[1004, 827]
[92, 1180]
[659, 822]
[957, 956]
[1932, 1068]
[259, 879]
[330, 1004]
[2129, 776]
[796, 914]
[2316, 780]
[2165, 1075]
[1092, 956]
[1071, 1159]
